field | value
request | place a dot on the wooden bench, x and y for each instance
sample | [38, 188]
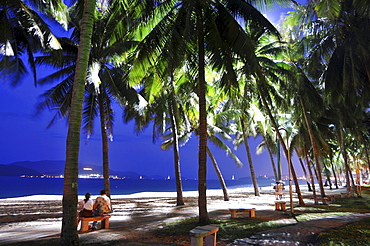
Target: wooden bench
[322, 199]
[252, 211]
[204, 235]
[280, 205]
[85, 222]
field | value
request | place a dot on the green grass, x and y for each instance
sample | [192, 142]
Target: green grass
[230, 229]
[357, 233]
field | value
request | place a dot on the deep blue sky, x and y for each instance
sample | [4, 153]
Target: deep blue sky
[25, 138]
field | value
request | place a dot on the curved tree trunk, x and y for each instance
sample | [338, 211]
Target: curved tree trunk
[314, 146]
[105, 146]
[176, 154]
[219, 174]
[304, 171]
[344, 155]
[296, 183]
[251, 167]
[261, 79]
[335, 175]
[271, 158]
[69, 234]
[202, 155]
[311, 176]
[327, 174]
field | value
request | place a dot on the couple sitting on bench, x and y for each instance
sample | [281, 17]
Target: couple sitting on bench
[100, 207]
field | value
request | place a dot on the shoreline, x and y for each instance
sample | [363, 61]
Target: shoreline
[26, 187]
[148, 194]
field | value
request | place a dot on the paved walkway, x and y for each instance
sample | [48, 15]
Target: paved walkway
[301, 233]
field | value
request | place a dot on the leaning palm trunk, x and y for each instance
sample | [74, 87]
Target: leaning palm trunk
[304, 171]
[105, 147]
[219, 174]
[176, 154]
[344, 155]
[311, 176]
[261, 79]
[335, 175]
[202, 155]
[271, 158]
[68, 234]
[314, 146]
[251, 167]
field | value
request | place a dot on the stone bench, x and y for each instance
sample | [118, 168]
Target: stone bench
[204, 235]
[233, 211]
[347, 194]
[280, 205]
[332, 197]
[322, 199]
[85, 222]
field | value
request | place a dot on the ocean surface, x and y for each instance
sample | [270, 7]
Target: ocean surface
[26, 186]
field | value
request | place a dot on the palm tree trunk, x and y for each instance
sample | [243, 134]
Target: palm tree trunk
[202, 155]
[271, 158]
[344, 155]
[219, 174]
[332, 169]
[314, 146]
[304, 171]
[176, 154]
[327, 174]
[296, 183]
[261, 80]
[251, 167]
[69, 234]
[105, 147]
[311, 176]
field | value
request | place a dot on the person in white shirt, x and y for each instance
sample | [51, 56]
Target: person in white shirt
[86, 207]
[102, 206]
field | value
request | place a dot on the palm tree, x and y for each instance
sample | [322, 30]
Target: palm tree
[24, 32]
[337, 54]
[68, 234]
[104, 83]
[209, 29]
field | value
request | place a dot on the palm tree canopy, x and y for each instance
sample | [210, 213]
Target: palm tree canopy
[24, 33]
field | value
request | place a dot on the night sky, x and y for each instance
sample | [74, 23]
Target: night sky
[24, 137]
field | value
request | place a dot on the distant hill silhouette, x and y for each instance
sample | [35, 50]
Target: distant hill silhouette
[14, 170]
[56, 168]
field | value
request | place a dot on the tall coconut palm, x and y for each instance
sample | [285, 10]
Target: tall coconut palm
[209, 29]
[338, 50]
[24, 33]
[165, 110]
[104, 83]
[268, 74]
[69, 234]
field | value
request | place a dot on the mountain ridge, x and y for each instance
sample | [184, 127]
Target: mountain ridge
[56, 168]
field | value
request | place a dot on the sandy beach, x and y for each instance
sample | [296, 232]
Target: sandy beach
[133, 217]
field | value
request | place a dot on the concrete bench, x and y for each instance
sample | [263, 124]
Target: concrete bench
[280, 205]
[204, 235]
[233, 211]
[85, 222]
[322, 199]
[347, 194]
[332, 197]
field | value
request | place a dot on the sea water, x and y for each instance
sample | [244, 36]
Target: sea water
[26, 186]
